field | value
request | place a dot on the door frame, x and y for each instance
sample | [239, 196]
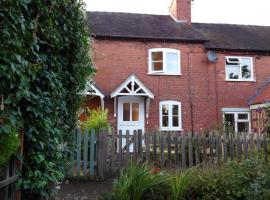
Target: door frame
[129, 99]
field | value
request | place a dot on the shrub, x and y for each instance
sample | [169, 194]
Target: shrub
[8, 146]
[45, 63]
[246, 180]
[138, 182]
[96, 119]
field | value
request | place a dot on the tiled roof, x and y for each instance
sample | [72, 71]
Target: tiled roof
[163, 27]
[140, 26]
[262, 94]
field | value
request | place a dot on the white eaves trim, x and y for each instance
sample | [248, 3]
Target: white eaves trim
[92, 90]
[133, 79]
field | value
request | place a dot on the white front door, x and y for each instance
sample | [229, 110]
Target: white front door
[130, 115]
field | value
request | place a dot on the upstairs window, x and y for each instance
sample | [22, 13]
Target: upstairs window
[239, 68]
[170, 115]
[164, 61]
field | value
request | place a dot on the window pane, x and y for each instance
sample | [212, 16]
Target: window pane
[172, 62]
[172, 57]
[243, 126]
[135, 111]
[175, 121]
[165, 121]
[175, 109]
[242, 116]
[172, 67]
[157, 56]
[165, 109]
[126, 111]
[157, 66]
[229, 120]
[246, 68]
[232, 71]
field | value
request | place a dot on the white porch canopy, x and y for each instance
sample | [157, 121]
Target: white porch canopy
[92, 90]
[132, 86]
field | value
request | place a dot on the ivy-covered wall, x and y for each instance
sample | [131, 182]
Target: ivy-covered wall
[44, 62]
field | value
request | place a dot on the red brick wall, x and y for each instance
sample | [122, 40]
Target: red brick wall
[202, 84]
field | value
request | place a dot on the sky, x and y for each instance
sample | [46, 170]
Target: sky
[254, 12]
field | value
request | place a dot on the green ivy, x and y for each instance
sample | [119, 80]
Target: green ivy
[45, 60]
[8, 146]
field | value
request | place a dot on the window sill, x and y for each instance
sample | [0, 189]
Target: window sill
[171, 129]
[231, 80]
[163, 74]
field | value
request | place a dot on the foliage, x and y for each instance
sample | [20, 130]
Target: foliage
[136, 182]
[268, 120]
[96, 119]
[8, 146]
[180, 183]
[45, 61]
[247, 180]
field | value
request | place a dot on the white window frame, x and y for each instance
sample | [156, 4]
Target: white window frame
[170, 116]
[236, 120]
[164, 53]
[240, 71]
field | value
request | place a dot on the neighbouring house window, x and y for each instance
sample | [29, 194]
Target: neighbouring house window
[239, 68]
[164, 61]
[130, 112]
[237, 121]
[170, 115]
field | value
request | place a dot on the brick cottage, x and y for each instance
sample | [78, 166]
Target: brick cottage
[165, 72]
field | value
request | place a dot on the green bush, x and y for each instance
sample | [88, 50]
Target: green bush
[138, 182]
[96, 119]
[247, 180]
[45, 62]
[8, 146]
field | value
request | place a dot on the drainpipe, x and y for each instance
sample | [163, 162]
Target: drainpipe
[190, 96]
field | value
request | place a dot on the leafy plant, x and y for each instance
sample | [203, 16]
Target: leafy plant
[45, 63]
[136, 182]
[8, 146]
[96, 119]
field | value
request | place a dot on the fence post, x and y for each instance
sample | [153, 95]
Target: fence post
[176, 149]
[85, 150]
[231, 145]
[169, 149]
[245, 146]
[183, 149]
[127, 148]
[190, 150]
[265, 145]
[225, 147]
[100, 154]
[155, 146]
[161, 137]
[147, 149]
[92, 153]
[120, 149]
[113, 151]
[135, 145]
[78, 157]
[140, 144]
[197, 150]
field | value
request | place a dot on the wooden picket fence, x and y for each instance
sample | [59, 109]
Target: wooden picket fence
[7, 180]
[103, 154]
